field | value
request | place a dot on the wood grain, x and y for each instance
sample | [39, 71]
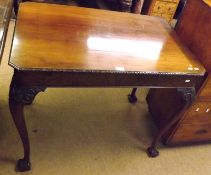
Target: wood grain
[195, 123]
[90, 39]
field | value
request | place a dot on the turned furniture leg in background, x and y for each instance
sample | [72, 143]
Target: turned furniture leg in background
[137, 6]
[132, 96]
[125, 5]
[188, 95]
[18, 97]
[15, 6]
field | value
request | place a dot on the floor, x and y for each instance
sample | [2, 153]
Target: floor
[90, 132]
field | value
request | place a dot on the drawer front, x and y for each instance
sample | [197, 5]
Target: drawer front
[164, 7]
[159, 7]
[192, 133]
[198, 113]
[205, 91]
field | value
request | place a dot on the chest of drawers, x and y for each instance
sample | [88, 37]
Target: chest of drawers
[162, 8]
[195, 123]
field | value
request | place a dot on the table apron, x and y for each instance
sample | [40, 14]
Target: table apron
[104, 79]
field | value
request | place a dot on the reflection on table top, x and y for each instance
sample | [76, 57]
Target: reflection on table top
[5, 12]
[208, 2]
[57, 37]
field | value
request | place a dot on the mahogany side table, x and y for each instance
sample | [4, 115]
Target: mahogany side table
[63, 46]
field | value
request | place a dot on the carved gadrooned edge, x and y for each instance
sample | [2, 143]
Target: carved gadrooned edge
[23, 95]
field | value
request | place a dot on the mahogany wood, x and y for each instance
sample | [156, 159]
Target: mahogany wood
[57, 46]
[120, 42]
[195, 33]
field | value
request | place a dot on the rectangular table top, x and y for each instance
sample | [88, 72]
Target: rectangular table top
[64, 38]
[5, 12]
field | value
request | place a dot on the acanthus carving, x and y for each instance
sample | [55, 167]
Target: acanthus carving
[23, 95]
[188, 94]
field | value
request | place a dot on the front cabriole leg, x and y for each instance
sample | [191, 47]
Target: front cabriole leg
[188, 95]
[18, 97]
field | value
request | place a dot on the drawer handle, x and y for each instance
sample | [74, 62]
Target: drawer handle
[201, 131]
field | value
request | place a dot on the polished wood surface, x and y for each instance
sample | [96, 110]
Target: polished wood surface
[196, 35]
[90, 39]
[195, 123]
[208, 2]
[205, 91]
[5, 13]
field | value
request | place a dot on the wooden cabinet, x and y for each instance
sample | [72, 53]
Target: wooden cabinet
[205, 92]
[195, 124]
[192, 133]
[162, 8]
[164, 104]
[198, 113]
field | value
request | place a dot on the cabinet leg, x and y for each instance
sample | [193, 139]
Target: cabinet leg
[18, 117]
[18, 97]
[15, 6]
[188, 96]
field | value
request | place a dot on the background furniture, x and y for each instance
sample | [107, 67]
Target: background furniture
[133, 6]
[163, 8]
[6, 7]
[195, 126]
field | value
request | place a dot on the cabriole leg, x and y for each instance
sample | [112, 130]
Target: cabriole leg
[188, 95]
[18, 97]
[132, 96]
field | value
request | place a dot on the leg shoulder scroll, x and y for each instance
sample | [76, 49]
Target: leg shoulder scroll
[22, 94]
[188, 94]
[18, 97]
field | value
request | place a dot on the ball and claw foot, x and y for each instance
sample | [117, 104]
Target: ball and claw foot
[152, 152]
[132, 98]
[23, 165]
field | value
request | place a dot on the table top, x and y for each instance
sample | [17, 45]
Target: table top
[5, 12]
[64, 38]
[208, 2]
